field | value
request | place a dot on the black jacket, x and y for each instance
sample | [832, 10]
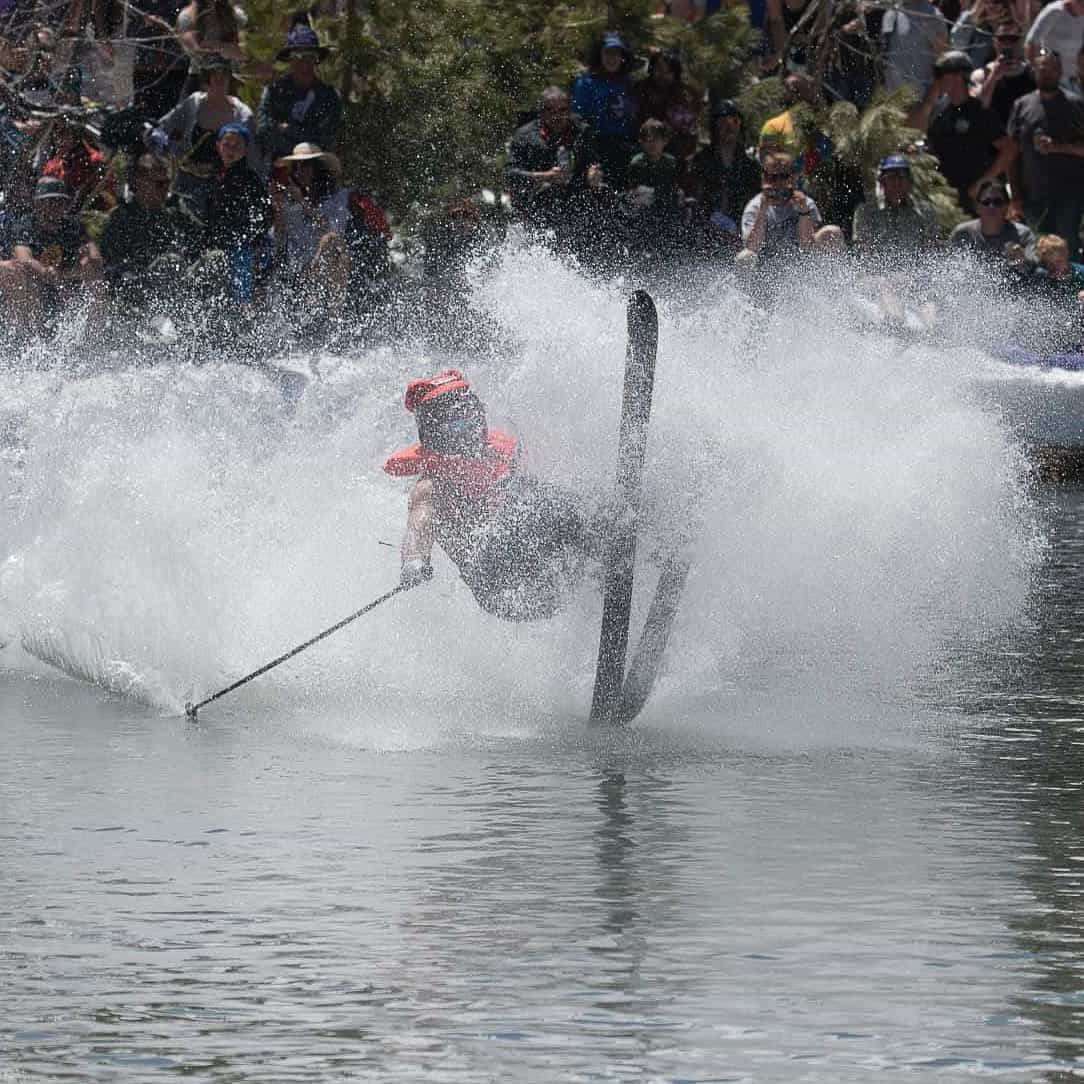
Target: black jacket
[238, 209]
[530, 150]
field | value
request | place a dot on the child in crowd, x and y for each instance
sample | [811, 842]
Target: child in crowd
[653, 173]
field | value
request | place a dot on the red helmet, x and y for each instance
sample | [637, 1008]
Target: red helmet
[429, 387]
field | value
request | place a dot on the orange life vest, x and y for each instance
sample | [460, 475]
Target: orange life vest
[475, 476]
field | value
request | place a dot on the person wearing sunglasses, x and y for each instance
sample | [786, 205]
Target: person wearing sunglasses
[781, 220]
[1007, 77]
[518, 543]
[992, 234]
[1047, 176]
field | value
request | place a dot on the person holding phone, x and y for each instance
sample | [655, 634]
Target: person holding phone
[1007, 77]
[781, 220]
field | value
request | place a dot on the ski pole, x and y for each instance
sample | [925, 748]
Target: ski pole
[191, 709]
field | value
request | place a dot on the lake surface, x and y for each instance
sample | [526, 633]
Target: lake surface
[843, 843]
[242, 899]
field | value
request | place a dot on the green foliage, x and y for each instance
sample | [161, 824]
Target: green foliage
[715, 51]
[760, 102]
[439, 84]
[862, 140]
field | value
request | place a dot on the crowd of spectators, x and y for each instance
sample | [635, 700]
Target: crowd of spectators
[996, 102]
[184, 195]
[187, 191]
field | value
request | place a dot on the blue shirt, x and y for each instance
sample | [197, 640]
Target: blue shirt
[606, 104]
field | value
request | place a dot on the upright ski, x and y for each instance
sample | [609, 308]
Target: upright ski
[643, 341]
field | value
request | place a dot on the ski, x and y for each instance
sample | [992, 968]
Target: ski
[651, 648]
[643, 341]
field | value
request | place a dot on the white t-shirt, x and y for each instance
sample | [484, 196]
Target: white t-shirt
[1055, 29]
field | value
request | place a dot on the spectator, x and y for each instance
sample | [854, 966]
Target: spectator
[973, 31]
[1075, 83]
[1007, 77]
[105, 66]
[603, 97]
[144, 229]
[299, 108]
[723, 177]
[547, 161]
[894, 227]
[968, 139]
[654, 167]
[912, 36]
[238, 211]
[209, 28]
[665, 96]
[853, 71]
[312, 213]
[1048, 173]
[781, 133]
[1056, 274]
[52, 263]
[783, 17]
[81, 166]
[160, 71]
[780, 221]
[36, 85]
[992, 234]
[190, 132]
[1059, 27]
[653, 185]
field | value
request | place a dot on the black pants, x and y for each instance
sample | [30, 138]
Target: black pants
[530, 553]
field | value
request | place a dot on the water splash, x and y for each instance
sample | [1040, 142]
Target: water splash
[854, 507]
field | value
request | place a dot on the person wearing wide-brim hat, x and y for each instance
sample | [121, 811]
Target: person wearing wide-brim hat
[302, 39]
[311, 221]
[310, 152]
[298, 107]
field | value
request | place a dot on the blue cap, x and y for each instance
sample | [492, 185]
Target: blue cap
[895, 163]
[614, 41]
[235, 127]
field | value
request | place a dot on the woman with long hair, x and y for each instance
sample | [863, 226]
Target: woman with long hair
[189, 132]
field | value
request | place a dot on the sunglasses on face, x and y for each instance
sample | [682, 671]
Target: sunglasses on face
[996, 202]
[776, 178]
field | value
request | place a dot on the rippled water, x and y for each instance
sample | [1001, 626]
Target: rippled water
[842, 844]
[243, 900]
